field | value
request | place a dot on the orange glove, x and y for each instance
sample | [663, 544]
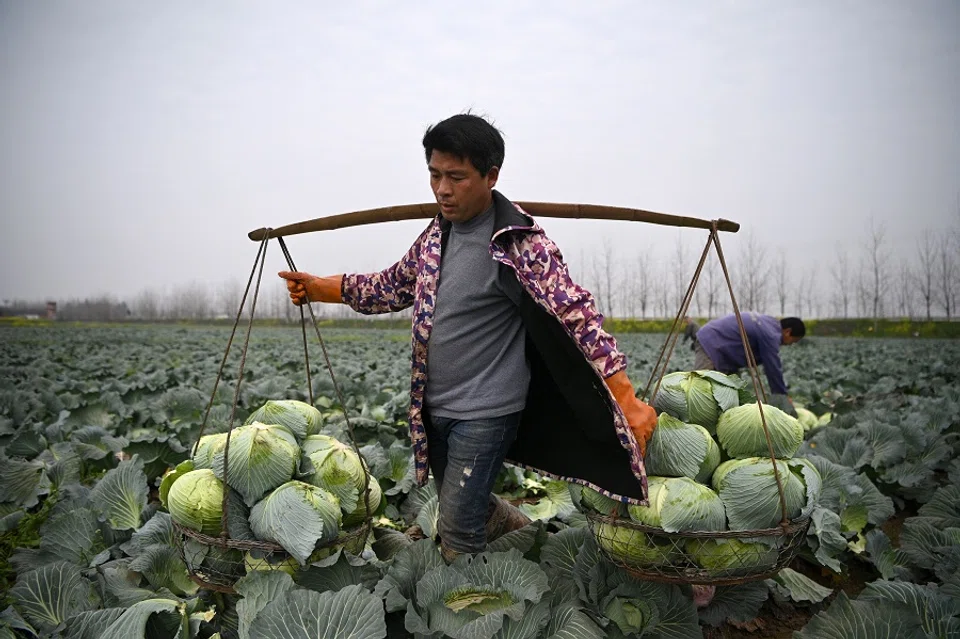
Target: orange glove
[641, 418]
[304, 287]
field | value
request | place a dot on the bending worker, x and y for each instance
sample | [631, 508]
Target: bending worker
[510, 359]
[720, 348]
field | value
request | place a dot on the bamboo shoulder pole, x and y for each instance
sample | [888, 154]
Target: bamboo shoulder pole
[536, 209]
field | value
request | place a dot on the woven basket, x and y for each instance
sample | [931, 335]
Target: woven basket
[216, 563]
[697, 557]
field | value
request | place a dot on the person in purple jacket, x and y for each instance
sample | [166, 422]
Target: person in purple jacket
[720, 347]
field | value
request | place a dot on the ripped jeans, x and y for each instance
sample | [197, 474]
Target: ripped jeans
[465, 458]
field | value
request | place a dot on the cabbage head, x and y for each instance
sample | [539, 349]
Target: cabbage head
[825, 419]
[679, 504]
[253, 561]
[172, 475]
[195, 501]
[602, 504]
[260, 458]
[741, 433]
[806, 417]
[812, 482]
[300, 418]
[207, 447]
[698, 397]
[335, 467]
[748, 489]
[677, 449]
[731, 557]
[359, 513]
[634, 547]
[297, 516]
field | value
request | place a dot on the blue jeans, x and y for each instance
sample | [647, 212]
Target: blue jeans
[465, 457]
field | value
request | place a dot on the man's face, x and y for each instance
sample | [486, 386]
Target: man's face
[461, 191]
[788, 338]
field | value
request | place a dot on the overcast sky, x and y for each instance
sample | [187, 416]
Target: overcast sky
[141, 141]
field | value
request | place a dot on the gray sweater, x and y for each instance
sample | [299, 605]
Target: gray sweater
[476, 362]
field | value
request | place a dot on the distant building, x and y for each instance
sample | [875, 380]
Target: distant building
[26, 310]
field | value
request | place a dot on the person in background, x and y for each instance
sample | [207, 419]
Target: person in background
[690, 332]
[720, 348]
[510, 359]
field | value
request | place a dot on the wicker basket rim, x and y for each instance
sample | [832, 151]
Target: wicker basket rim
[790, 528]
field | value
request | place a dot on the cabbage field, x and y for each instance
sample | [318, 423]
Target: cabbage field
[97, 425]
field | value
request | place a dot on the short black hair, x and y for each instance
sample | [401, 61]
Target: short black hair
[466, 136]
[796, 326]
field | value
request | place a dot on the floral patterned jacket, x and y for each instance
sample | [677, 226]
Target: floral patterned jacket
[572, 427]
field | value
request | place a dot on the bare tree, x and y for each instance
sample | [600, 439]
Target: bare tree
[877, 274]
[628, 290]
[146, 306]
[947, 274]
[754, 275]
[679, 274]
[644, 281]
[905, 290]
[810, 293]
[863, 290]
[609, 271]
[842, 282]
[710, 288]
[602, 279]
[925, 274]
[781, 279]
[229, 295]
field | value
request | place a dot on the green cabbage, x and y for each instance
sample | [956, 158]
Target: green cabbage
[677, 449]
[260, 458]
[731, 557]
[698, 397]
[359, 513]
[679, 504]
[809, 476]
[297, 516]
[172, 475]
[253, 563]
[806, 417]
[601, 503]
[741, 433]
[195, 501]
[748, 489]
[207, 447]
[300, 418]
[825, 419]
[335, 467]
[634, 547]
